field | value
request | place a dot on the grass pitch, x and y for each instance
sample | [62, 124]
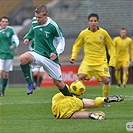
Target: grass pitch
[22, 113]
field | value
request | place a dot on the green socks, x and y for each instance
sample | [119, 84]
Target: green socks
[1, 84]
[65, 91]
[39, 80]
[4, 84]
[26, 72]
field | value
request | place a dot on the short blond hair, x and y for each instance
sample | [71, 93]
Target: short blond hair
[40, 9]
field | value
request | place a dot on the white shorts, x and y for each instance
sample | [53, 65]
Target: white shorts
[53, 69]
[37, 69]
[6, 65]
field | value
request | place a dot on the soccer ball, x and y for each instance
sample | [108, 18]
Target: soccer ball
[77, 88]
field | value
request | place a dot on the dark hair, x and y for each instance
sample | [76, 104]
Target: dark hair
[93, 15]
[5, 17]
[40, 9]
[123, 28]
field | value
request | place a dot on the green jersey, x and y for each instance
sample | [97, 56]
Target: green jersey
[8, 37]
[31, 46]
[48, 38]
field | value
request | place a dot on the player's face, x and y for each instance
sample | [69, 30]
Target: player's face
[93, 22]
[123, 34]
[4, 23]
[41, 18]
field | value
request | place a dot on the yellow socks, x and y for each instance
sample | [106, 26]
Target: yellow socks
[106, 90]
[118, 76]
[99, 101]
[125, 77]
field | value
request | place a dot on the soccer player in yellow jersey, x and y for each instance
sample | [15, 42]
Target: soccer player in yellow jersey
[65, 107]
[94, 63]
[124, 51]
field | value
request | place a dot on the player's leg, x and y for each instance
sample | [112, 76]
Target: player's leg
[62, 87]
[4, 81]
[35, 71]
[118, 73]
[103, 75]
[40, 78]
[100, 101]
[90, 103]
[25, 60]
[96, 115]
[106, 89]
[125, 76]
[1, 74]
[54, 71]
[118, 77]
[8, 66]
[1, 79]
[125, 66]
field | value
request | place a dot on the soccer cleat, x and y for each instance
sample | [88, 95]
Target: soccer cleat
[30, 89]
[2, 94]
[124, 86]
[115, 98]
[96, 116]
[118, 85]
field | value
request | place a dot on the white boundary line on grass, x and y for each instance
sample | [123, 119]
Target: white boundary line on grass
[25, 102]
[48, 101]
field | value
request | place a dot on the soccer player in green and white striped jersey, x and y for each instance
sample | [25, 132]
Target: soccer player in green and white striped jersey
[8, 42]
[49, 44]
[37, 71]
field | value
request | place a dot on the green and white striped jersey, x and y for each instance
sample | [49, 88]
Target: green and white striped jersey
[8, 37]
[48, 38]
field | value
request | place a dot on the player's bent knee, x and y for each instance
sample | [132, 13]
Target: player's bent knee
[106, 81]
[25, 58]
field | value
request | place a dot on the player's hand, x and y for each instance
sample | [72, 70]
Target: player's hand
[72, 61]
[12, 47]
[53, 56]
[26, 42]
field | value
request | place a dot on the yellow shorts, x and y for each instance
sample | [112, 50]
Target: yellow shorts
[65, 106]
[120, 64]
[97, 71]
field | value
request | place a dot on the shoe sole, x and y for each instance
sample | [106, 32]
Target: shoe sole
[28, 93]
[115, 98]
[96, 116]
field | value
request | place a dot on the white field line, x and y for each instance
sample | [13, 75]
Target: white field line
[25, 102]
[48, 101]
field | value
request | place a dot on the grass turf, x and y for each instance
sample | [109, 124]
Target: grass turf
[22, 113]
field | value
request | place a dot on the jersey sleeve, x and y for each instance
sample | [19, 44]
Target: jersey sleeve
[15, 39]
[30, 34]
[59, 40]
[77, 46]
[111, 49]
[131, 49]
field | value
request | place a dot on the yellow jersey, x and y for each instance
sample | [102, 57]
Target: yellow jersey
[65, 106]
[94, 47]
[124, 48]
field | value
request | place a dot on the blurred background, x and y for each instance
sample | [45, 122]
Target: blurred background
[71, 15]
